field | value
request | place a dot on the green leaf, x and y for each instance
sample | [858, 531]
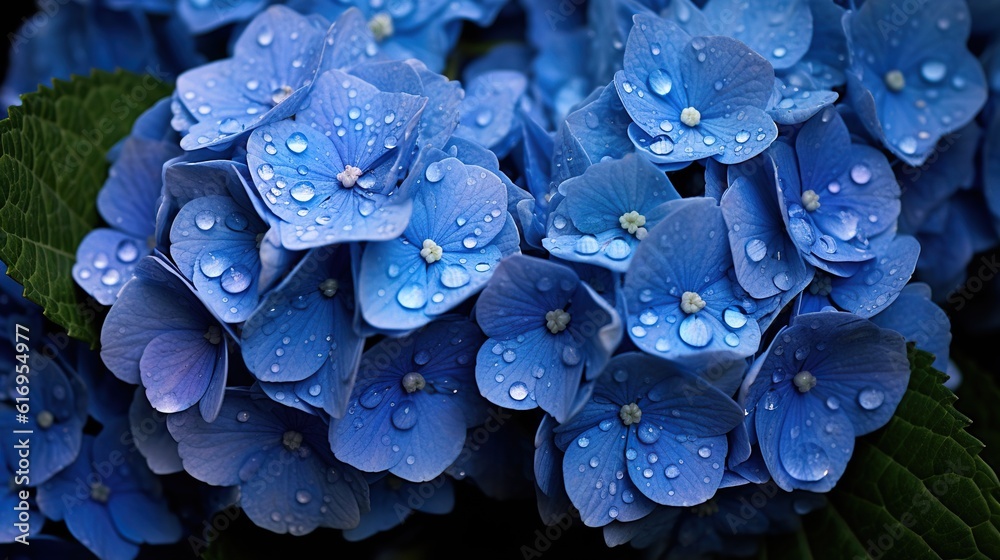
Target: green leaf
[917, 488]
[52, 165]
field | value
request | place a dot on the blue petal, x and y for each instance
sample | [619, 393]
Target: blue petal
[489, 111]
[919, 320]
[879, 281]
[767, 260]
[151, 436]
[596, 131]
[596, 480]
[105, 260]
[178, 367]
[779, 30]
[792, 104]
[156, 524]
[127, 200]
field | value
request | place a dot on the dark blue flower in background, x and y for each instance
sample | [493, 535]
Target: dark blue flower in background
[780, 30]
[412, 402]
[547, 329]
[678, 291]
[913, 83]
[301, 339]
[835, 195]
[158, 334]
[151, 436]
[826, 379]
[112, 510]
[201, 16]
[58, 412]
[490, 110]
[694, 97]
[274, 63]
[106, 257]
[289, 480]
[647, 436]
[393, 500]
[607, 211]
[330, 174]
[459, 231]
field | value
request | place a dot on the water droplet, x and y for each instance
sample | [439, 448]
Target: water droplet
[127, 251]
[908, 145]
[242, 416]
[303, 497]
[933, 71]
[265, 37]
[265, 172]
[618, 249]
[742, 136]
[412, 296]
[756, 250]
[672, 471]
[660, 82]
[648, 433]
[454, 276]
[860, 174]
[870, 398]
[519, 391]
[484, 117]
[204, 220]
[297, 142]
[587, 245]
[661, 145]
[695, 331]
[582, 442]
[833, 403]
[404, 415]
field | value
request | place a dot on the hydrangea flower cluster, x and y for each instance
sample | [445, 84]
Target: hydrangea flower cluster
[684, 234]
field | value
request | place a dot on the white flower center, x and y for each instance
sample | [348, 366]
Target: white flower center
[630, 414]
[381, 26]
[894, 80]
[431, 252]
[329, 287]
[804, 381]
[810, 200]
[633, 222]
[349, 176]
[99, 492]
[691, 302]
[691, 116]
[557, 320]
[413, 382]
[44, 419]
[213, 335]
[292, 440]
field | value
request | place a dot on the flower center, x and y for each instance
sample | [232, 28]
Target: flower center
[630, 414]
[810, 200]
[44, 419]
[99, 492]
[213, 335]
[804, 381]
[821, 285]
[431, 252]
[349, 176]
[381, 26]
[281, 94]
[691, 302]
[292, 440]
[413, 382]
[329, 287]
[894, 80]
[691, 116]
[557, 320]
[633, 222]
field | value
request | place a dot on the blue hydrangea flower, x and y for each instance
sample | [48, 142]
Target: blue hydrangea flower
[869, 290]
[159, 334]
[274, 63]
[425, 29]
[106, 257]
[491, 113]
[950, 239]
[550, 489]
[215, 241]
[301, 339]
[826, 379]
[547, 329]
[796, 98]
[597, 130]
[289, 480]
[694, 97]
[412, 402]
[915, 316]
[151, 436]
[393, 500]
[110, 511]
[330, 174]
[835, 195]
[459, 231]
[678, 291]
[607, 211]
[58, 412]
[645, 438]
[201, 16]
[912, 84]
